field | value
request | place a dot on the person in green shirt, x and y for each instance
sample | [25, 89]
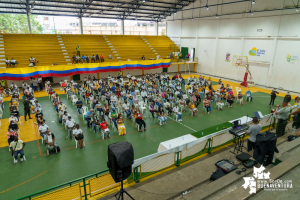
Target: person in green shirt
[113, 116]
[282, 116]
[2, 82]
[120, 74]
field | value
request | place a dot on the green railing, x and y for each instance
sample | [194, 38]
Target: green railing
[76, 189]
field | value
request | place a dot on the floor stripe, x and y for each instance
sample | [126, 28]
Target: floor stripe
[182, 124]
[37, 137]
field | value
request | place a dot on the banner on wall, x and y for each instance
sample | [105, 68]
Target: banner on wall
[25, 73]
[227, 57]
[292, 59]
[257, 52]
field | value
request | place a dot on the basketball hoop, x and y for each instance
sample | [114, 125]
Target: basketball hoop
[239, 61]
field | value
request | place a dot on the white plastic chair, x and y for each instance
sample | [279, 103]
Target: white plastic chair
[142, 106]
[15, 161]
[84, 110]
[74, 100]
[76, 142]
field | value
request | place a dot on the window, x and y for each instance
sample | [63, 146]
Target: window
[101, 26]
[134, 27]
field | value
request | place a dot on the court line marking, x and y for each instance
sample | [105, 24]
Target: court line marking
[182, 124]
[37, 137]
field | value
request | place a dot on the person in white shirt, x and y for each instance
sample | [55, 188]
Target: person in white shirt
[157, 57]
[126, 108]
[144, 94]
[65, 117]
[13, 62]
[176, 111]
[32, 61]
[128, 76]
[113, 100]
[13, 118]
[78, 134]
[50, 141]
[70, 124]
[43, 129]
[110, 56]
[7, 62]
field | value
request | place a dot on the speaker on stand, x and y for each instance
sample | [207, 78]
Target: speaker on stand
[120, 160]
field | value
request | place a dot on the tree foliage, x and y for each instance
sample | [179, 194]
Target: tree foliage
[16, 23]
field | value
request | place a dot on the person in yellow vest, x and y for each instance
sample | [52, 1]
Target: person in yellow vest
[120, 74]
[121, 127]
[2, 82]
[78, 50]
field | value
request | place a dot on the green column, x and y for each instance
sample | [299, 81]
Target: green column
[209, 145]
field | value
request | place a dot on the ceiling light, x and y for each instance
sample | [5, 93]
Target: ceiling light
[207, 8]
[252, 13]
[217, 16]
[253, 1]
[297, 9]
[192, 18]
[118, 8]
[143, 1]
[174, 13]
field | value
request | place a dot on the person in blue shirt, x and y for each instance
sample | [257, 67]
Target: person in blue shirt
[249, 95]
[79, 105]
[113, 88]
[97, 58]
[83, 59]
[89, 117]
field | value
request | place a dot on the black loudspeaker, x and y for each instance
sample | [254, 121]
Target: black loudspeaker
[120, 160]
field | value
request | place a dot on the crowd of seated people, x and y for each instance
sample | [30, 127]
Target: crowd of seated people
[10, 63]
[86, 59]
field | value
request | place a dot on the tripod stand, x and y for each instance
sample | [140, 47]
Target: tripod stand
[120, 194]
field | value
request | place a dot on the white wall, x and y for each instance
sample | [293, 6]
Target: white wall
[237, 35]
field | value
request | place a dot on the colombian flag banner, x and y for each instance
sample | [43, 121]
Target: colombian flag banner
[68, 70]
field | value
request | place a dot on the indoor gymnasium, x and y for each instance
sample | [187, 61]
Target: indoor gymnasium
[149, 99]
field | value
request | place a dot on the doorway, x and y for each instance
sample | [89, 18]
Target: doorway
[184, 52]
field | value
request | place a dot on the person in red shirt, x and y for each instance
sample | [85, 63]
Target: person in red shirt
[176, 76]
[104, 127]
[139, 120]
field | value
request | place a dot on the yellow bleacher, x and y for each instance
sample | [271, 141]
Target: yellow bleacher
[89, 45]
[48, 49]
[130, 47]
[44, 48]
[162, 45]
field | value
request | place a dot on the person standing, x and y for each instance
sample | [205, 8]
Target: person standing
[2, 82]
[282, 116]
[273, 96]
[120, 74]
[287, 97]
[27, 106]
[296, 122]
[252, 132]
[40, 82]
[113, 116]
[78, 50]
[35, 85]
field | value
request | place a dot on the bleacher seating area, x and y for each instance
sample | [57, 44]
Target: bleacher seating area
[48, 48]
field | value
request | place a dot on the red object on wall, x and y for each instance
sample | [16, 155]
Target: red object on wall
[245, 80]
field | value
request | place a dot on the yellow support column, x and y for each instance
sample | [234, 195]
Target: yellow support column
[142, 72]
[71, 78]
[178, 67]
[195, 64]
[98, 75]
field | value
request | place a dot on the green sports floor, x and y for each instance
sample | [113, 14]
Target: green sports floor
[41, 172]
